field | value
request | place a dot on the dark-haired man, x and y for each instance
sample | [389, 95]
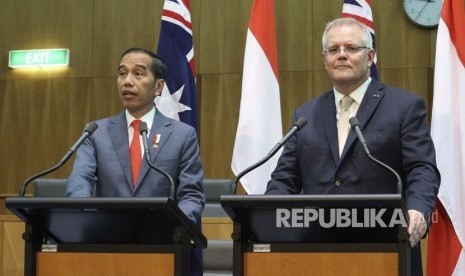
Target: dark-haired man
[110, 162]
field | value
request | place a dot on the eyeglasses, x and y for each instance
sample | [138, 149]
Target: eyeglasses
[351, 50]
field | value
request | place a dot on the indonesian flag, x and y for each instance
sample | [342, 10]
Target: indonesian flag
[259, 128]
[446, 255]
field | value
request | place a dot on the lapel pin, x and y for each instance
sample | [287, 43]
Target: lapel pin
[156, 140]
[375, 95]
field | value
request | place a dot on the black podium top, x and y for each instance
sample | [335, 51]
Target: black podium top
[105, 220]
[363, 218]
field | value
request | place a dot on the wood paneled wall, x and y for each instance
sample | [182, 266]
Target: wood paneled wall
[43, 111]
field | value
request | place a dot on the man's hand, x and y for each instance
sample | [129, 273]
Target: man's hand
[416, 227]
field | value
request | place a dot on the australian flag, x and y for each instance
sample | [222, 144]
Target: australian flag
[176, 48]
[361, 10]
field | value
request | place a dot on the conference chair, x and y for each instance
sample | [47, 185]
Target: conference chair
[49, 187]
[218, 256]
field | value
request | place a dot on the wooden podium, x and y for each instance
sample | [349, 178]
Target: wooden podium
[319, 234]
[106, 236]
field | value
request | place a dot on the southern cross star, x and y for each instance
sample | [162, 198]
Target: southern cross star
[169, 104]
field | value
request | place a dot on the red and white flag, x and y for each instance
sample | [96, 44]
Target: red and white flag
[446, 241]
[259, 128]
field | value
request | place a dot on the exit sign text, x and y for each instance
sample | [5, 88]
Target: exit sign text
[38, 58]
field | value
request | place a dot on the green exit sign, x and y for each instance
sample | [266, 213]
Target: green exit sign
[38, 58]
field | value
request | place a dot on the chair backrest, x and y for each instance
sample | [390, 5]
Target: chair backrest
[214, 189]
[49, 187]
[218, 258]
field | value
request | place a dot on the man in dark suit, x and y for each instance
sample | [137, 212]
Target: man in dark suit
[325, 156]
[110, 161]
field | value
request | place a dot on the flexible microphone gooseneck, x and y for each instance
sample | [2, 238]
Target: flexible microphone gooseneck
[301, 122]
[355, 125]
[88, 130]
[143, 131]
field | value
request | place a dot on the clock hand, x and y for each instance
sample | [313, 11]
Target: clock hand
[419, 13]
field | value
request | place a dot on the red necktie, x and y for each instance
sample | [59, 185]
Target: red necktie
[135, 151]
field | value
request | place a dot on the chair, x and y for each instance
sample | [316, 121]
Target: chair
[49, 187]
[218, 256]
[214, 189]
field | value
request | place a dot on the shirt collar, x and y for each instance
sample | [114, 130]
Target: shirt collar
[147, 118]
[357, 94]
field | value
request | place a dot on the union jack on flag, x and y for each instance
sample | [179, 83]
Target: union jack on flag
[360, 10]
[176, 48]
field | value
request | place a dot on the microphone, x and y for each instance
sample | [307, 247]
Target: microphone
[143, 131]
[355, 125]
[300, 123]
[88, 130]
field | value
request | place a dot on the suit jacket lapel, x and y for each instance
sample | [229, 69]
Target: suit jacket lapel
[372, 98]
[328, 113]
[160, 126]
[370, 101]
[119, 137]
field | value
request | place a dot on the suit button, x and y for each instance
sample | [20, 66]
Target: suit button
[337, 183]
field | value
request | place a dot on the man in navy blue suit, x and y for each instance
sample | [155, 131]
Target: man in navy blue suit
[104, 165]
[325, 156]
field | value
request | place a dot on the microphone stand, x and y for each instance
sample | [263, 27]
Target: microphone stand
[89, 129]
[356, 126]
[143, 131]
[296, 127]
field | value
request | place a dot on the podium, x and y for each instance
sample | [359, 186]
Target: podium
[319, 234]
[106, 236]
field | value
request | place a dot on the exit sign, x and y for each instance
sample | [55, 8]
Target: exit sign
[38, 58]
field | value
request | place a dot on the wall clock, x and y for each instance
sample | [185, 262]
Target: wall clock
[424, 13]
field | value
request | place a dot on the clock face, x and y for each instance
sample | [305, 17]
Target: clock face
[424, 13]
